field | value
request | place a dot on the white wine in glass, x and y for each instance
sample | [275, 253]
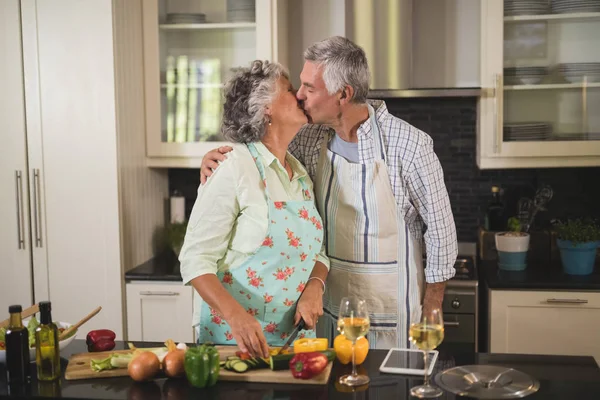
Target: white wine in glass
[427, 335]
[353, 322]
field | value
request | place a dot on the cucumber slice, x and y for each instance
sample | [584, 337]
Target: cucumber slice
[240, 367]
[233, 358]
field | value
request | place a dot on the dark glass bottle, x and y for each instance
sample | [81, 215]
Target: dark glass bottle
[17, 348]
[495, 215]
[47, 352]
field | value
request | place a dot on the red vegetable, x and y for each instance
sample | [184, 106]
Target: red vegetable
[100, 340]
[307, 365]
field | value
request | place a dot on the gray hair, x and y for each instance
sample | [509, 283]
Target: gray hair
[344, 64]
[247, 94]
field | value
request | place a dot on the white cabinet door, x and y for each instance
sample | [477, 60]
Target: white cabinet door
[77, 182]
[532, 322]
[545, 109]
[159, 311]
[15, 285]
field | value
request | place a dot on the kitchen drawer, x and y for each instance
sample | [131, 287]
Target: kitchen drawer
[459, 328]
[459, 301]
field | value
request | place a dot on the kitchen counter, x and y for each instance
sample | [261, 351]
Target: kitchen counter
[536, 277]
[164, 267]
[560, 378]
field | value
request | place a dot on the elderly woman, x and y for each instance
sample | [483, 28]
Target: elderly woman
[254, 245]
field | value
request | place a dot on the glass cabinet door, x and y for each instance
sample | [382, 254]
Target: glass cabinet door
[551, 98]
[194, 47]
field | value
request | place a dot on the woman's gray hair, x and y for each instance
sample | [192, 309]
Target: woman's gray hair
[247, 94]
[344, 64]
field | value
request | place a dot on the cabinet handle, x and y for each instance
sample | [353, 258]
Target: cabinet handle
[37, 213]
[151, 293]
[451, 324]
[566, 301]
[20, 218]
[498, 113]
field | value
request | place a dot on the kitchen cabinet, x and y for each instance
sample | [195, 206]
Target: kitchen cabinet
[541, 65]
[191, 48]
[71, 167]
[159, 311]
[544, 322]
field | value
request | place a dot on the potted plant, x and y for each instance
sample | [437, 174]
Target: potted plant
[512, 246]
[175, 233]
[578, 241]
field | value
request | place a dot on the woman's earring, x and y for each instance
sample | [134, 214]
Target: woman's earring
[269, 120]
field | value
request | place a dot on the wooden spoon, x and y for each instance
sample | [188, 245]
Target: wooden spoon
[85, 319]
[28, 312]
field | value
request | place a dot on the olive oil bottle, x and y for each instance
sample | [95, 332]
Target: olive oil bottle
[47, 352]
[17, 348]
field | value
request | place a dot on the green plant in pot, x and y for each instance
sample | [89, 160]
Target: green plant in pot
[512, 246]
[175, 234]
[578, 241]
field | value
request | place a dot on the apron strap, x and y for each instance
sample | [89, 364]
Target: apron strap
[263, 175]
[378, 139]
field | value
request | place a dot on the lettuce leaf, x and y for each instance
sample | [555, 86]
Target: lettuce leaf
[31, 327]
[2, 334]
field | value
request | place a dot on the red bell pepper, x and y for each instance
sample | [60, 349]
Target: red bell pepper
[308, 365]
[100, 340]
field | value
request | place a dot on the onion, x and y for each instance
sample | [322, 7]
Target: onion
[144, 367]
[173, 363]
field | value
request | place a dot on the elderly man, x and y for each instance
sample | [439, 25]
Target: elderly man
[377, 183]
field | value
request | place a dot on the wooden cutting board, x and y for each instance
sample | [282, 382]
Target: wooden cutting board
[79, 368]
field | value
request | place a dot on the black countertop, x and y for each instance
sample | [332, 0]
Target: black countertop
[560, 378]
[536, 277]
[164, 267]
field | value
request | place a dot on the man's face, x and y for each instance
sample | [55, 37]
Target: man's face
[320, 106]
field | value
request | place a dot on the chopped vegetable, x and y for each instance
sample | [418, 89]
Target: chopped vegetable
[112, 362]
[308, 345]
[343, 349]
[308, 365]
[202, 365]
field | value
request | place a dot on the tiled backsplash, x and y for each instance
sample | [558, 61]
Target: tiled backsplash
[451, 122]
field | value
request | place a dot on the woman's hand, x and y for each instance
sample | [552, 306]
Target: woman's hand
[310, 304]
[210, 162]
[248, 334]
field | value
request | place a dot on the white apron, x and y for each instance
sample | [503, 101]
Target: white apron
[372, 253]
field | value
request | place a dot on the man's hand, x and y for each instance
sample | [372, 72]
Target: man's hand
[310, 304]
[434, 296]
[210, 162]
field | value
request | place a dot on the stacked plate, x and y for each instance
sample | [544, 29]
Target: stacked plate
[575, 72]
[527, 132]
[186, 18]
[241, 10]
[524, 75]
[525, 7]
[575, 6]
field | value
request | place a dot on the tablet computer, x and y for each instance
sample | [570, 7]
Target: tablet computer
[407, 361]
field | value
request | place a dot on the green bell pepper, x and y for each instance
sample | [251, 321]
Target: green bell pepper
[202, 366]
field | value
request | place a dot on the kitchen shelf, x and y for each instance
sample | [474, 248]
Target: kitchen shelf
[552, 86]
[553, 17]
[223, 25]
[196, 86]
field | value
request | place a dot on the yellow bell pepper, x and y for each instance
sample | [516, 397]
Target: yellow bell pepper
[307, 345]
[343, 349]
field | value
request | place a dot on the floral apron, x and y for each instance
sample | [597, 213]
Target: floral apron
[269, 283]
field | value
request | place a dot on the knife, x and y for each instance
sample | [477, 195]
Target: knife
[293, 335]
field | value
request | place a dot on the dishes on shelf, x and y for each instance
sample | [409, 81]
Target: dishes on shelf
[527, 132]
[186, 18]
[576, 136]
[241, 10]
[574, 6]
[575, 72]
[524, 75]
[525, 7]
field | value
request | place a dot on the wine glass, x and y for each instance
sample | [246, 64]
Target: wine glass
[353, 322]
[427, 335]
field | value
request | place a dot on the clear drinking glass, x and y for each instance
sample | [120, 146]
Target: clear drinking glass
[353, 322]
[427, 335]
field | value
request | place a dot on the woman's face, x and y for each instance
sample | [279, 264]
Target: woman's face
[285, 110]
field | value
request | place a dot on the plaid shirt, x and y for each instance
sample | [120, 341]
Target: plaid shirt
[417, 182]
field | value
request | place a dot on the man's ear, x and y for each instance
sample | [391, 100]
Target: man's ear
[346, 95]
